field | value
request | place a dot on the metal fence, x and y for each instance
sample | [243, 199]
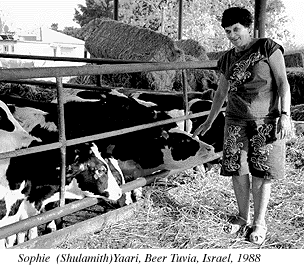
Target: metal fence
[17, 75]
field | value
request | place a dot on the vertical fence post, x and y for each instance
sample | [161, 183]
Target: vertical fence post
[62, 138]
[180, 20]
[185, 97]
[184, 74]
[115, 10]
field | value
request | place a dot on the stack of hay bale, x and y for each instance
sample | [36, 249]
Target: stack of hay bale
[27, 91]
[198, 79]
[106, 38]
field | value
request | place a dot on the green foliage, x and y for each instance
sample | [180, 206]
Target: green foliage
[276, 19]
[200, 18]
[72, 31]
[157, 15]
[54, 26]
[93, 9]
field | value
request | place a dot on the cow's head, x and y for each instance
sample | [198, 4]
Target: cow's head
[183, 151]
[93, 174]
[174, 150]
[12, 135]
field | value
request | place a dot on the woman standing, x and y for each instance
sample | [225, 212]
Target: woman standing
[253, 77]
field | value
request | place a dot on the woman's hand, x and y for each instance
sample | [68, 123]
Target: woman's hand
[202, 129]
[217, 102]
[284, 127]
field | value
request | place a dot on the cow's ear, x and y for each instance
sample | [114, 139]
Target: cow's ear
[165, 134]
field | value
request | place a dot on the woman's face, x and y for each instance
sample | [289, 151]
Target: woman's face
[238, 35]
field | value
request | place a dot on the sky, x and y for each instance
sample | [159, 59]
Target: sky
[40, 12]
[35, 13]
[295, 11]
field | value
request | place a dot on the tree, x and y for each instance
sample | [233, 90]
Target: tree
[93, 9]
[152, 14]
[201, 18]
[72, 31]
[54, 26]
[276, 21]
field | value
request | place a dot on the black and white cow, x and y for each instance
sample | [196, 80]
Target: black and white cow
[145, 150]
[30, 182]
[198, 102]
[12, 137]
[87, 175]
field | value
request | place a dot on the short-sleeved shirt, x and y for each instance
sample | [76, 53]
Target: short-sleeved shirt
[253, 93]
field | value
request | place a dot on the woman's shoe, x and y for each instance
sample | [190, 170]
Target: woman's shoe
[236, 224]
[258, 234]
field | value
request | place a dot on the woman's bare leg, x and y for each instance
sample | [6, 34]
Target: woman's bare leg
[261, 190]
[241, 186]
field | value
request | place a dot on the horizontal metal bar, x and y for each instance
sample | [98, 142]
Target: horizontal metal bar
[45, 72]
[26, 151]
[90, 138]
[72, 59]
[77, 205]
[93, 88]
[88, 226]
[59, 212]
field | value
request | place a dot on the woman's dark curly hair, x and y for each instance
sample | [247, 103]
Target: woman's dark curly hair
[235, 15]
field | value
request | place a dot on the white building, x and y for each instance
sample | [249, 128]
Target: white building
[46, 42]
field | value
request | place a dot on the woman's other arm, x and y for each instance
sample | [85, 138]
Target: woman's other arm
[278, 68]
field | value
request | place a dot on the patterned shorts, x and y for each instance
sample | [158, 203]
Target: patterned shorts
[253, 147]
